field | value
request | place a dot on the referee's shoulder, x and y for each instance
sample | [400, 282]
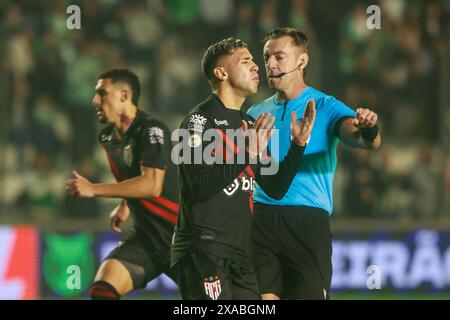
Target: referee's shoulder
[263, 106]
[322, 98]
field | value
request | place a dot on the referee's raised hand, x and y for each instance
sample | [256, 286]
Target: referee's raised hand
[301, 131]
[260, 134]
[365, 118]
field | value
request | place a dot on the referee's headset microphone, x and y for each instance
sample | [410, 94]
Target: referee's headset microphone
[281, 74]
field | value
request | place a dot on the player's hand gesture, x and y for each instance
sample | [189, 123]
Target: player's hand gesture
[301, 131]
[79, 186]
[259, 135]
[365, 118]
[119, 215]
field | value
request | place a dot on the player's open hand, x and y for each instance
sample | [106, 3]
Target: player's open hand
[365, 118]
[79, 186]
[119, 215]
[259, 135]
[301, 131]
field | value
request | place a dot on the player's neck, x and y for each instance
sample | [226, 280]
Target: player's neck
[230, 98]
[125, 120]
[292, 91]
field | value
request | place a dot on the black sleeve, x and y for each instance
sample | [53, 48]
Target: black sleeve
[205, 180]
[154, 145]
[276, 186]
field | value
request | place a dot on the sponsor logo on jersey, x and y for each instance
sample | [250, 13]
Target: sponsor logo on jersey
[105, 137]
[196, 123]
[244, 183]
[156, 135]
[221, 122]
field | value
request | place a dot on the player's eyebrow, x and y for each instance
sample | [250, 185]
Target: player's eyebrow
[247, 58]
[266, 54]
[100, 91]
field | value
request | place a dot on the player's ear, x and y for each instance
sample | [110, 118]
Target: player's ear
[125, 95]
[220, 73]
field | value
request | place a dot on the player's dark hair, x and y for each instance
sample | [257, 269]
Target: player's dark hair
[125, 76]
[215, 51]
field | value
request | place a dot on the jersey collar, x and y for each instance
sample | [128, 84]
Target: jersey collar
[218, 103]
[294, 101]
[135, 123]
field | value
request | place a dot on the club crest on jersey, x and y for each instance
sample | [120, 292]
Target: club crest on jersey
[212, 287]
[196, 123]
[156, 135]
[128, 155]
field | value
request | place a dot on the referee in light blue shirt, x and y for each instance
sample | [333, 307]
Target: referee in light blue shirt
[291, 236]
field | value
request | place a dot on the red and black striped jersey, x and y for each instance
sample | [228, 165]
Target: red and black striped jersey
[146, 143]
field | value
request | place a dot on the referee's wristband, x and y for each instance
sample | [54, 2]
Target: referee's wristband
[369, 134]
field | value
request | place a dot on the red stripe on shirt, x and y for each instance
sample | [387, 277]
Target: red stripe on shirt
[169, 216]
[166, 203]
[113, 167]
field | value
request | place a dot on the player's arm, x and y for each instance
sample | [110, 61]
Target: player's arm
[361, 131]
[276, 186]
[148, 184]
[206, 180]
[153, 145]
[119, 215]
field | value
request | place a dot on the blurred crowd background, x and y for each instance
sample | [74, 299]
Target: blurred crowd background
[48, 74]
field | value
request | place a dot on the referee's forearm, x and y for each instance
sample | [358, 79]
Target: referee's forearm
[374, 144]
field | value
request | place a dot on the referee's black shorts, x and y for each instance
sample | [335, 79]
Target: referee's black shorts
[292, 251]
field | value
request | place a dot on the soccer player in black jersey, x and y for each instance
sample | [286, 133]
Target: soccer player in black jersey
[211, 253]
[138, 150]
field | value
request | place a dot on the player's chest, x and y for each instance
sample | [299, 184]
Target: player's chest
[124, 154]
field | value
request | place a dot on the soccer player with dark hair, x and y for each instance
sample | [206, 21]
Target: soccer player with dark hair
[211, 253]
[138, 150]
[291, 235]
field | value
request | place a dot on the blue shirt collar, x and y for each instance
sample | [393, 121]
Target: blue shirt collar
[295, 100]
